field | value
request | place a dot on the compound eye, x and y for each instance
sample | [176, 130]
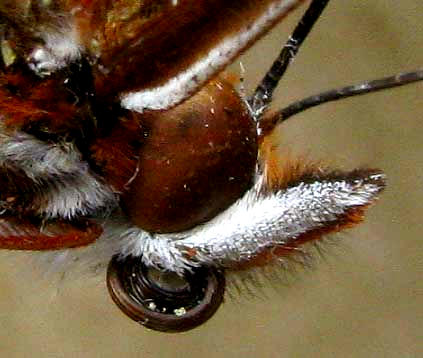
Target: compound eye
[164, 301]
[198, 159]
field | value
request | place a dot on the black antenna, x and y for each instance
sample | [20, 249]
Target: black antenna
[269, 123]
[263, 94]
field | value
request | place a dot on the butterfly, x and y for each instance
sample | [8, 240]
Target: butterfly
[123, 144]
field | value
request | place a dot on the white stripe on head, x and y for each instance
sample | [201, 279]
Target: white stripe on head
[188, 82]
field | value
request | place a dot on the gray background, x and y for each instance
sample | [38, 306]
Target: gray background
[364, 299]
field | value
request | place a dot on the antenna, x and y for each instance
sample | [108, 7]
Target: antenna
[262, 96]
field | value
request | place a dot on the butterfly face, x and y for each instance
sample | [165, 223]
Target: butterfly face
[121, 146]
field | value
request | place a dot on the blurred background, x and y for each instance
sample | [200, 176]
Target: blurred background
[365, 299]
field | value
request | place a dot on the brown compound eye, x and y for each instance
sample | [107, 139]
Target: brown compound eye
[198, 159]
[164, 301]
